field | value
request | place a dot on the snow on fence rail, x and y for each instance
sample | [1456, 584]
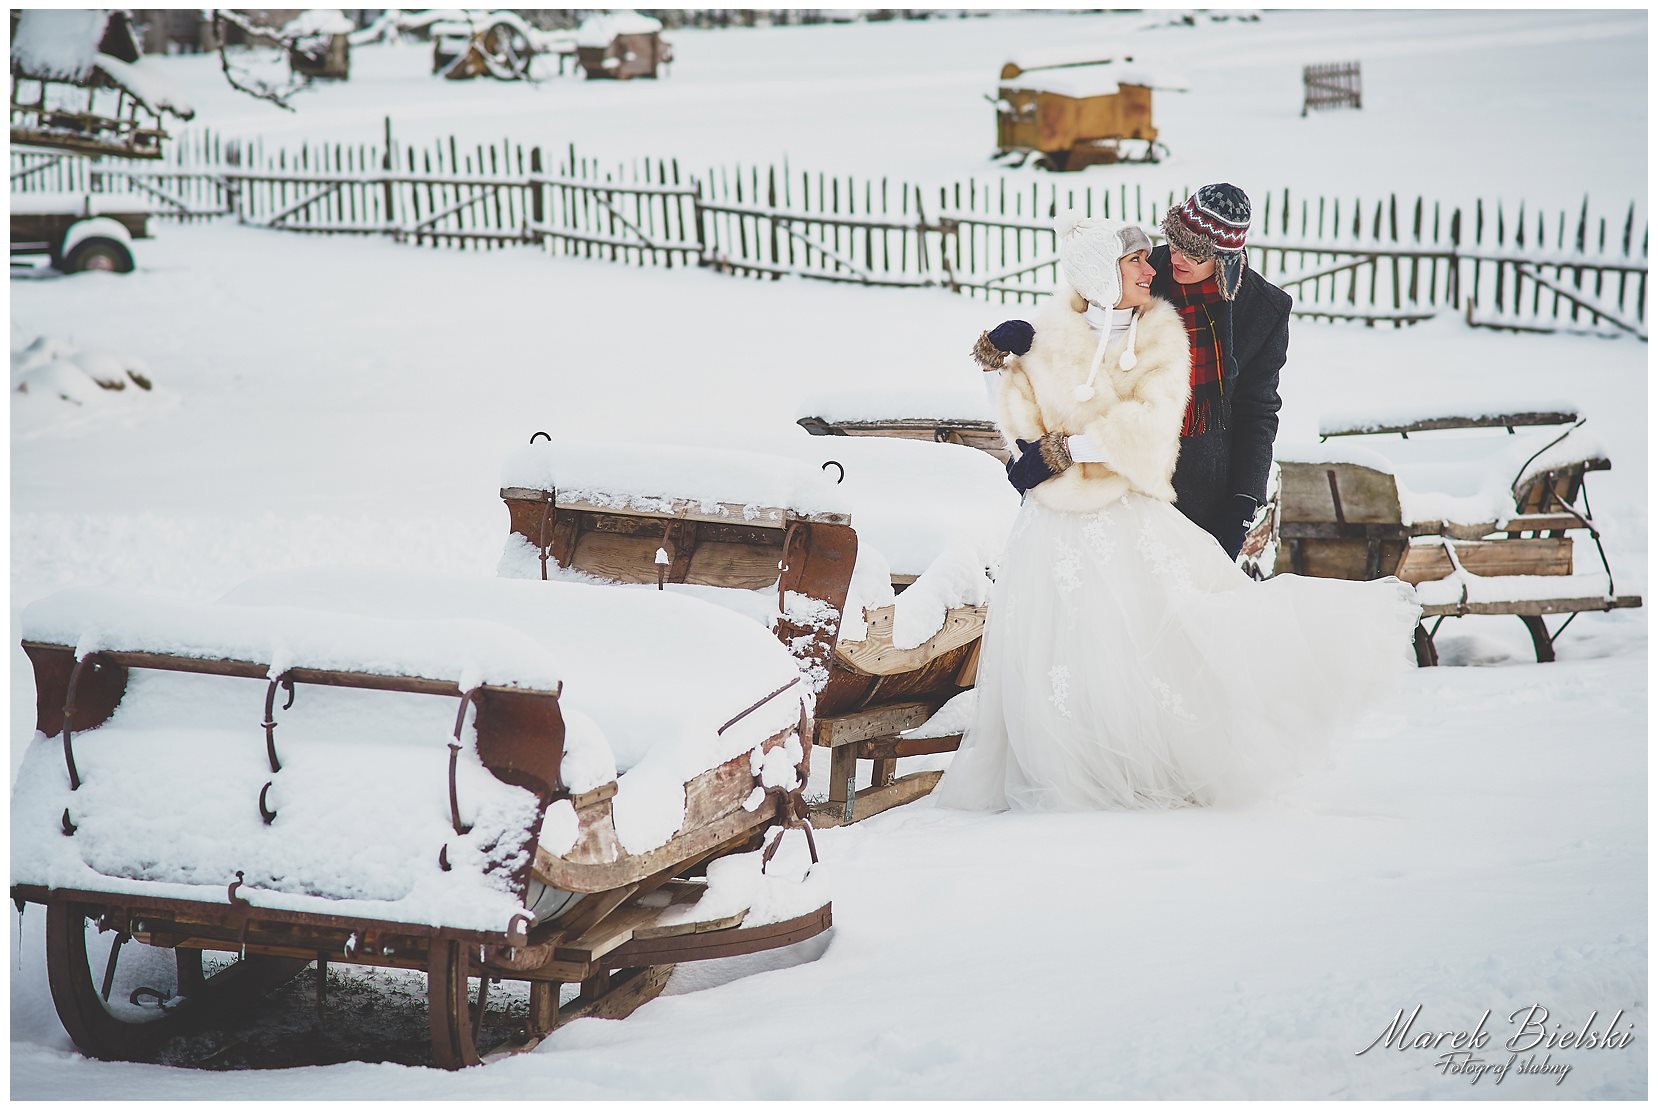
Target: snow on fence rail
[1387, 260]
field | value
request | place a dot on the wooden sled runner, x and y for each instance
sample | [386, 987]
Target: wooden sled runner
[1503, 542]
[785, 554]
[277, 777]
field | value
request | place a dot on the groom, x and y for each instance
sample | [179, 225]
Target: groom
[1239, 327]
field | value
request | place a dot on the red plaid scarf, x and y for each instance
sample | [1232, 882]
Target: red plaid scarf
[1195, 304]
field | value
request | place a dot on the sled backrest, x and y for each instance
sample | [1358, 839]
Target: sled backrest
[82, 658]
[806, 557]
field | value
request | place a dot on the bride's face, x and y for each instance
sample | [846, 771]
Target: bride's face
[1137, 275]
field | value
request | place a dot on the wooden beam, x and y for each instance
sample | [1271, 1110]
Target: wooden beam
[862, 725]
[875, 800]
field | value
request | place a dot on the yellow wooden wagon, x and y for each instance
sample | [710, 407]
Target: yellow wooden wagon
[1070, 113]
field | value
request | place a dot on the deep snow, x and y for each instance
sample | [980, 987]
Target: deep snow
[1463, 854]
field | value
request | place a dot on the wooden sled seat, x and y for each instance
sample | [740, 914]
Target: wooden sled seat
[1479, 521]
[943, 415]
[271, 773]
[883, 546]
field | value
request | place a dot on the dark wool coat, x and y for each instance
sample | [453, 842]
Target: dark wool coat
[1236, 458]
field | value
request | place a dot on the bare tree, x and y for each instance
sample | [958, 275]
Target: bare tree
[242, 79]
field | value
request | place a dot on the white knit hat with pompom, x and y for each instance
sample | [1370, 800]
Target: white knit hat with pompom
[1090, 256]
[1090, 251]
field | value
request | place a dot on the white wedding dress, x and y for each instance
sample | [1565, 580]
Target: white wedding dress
[1127, 662]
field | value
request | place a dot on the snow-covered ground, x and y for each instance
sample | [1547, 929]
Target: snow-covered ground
[1539, 106]
[349, 402]
[1480, 846]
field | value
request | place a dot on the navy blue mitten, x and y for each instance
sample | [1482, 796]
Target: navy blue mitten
[1012, 336]
[1038, 461]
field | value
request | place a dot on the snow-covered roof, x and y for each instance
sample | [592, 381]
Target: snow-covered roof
[1075, 55]
[75, 44]
[601, 30]
[319, 21]
[1104, 79]
[58, 44]
[151, 89]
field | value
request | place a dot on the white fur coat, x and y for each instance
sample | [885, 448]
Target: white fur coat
[1134, 415]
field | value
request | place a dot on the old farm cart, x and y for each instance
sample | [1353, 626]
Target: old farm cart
[498, 859]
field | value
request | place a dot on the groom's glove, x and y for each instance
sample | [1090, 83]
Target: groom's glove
[1038, 461]
[1010, 337]
[1232, 522]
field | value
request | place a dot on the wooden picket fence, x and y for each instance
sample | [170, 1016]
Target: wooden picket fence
[1381, 260]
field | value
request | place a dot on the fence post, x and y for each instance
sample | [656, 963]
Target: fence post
[389, 194]
[1453, 276]
[538, 215]
[699, 217]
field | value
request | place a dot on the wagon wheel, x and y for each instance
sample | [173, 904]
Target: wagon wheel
[158, 991]
[454, 1040]
[509, 48]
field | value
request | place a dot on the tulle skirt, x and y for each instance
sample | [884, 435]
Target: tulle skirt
[1127, 662]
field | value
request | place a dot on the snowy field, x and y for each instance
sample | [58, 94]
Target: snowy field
[1479, 846]
[1537, 106]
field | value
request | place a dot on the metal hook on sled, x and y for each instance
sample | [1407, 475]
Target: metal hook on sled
[836, 464]
[235, 899]
[793, 811]
[69, 717]
[270, 718]
[454, 760]
[265, 811]
[541, 436]
[546, 517]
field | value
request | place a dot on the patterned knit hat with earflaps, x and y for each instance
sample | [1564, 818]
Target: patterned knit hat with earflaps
[1213, 224]
[1090, 256]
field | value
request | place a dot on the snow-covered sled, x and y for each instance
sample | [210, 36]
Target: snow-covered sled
[1480, 521]
[284, 776]
[870, 561]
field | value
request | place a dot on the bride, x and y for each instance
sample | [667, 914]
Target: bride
[1127, 662]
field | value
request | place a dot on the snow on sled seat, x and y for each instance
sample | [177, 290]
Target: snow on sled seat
[908, 641]
[172, 793]
[1481, 522]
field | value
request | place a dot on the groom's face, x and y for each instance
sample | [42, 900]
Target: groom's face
[1187, 270]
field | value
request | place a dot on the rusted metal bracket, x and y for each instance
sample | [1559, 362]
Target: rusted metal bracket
[454, 761]
[114, 955]
[791, 811]
[794, 529]
[543, 548]
[265, 811]
[757, 705]
[287, 684]
[69, 717]
[69, 827]
[235, 899]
